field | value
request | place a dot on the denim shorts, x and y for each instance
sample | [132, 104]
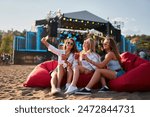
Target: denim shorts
[119, 73]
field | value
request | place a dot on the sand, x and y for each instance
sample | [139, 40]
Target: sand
[11, 88]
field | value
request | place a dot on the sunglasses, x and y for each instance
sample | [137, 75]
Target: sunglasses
[70, 43]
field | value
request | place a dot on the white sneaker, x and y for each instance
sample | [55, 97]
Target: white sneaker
[71, 89]
[67, 86]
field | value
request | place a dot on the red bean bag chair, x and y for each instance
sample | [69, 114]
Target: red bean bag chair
[137, 79]
[131, 61]
[84, 80]
[40, 76]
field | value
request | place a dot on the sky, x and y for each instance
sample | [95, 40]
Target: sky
[134, 15]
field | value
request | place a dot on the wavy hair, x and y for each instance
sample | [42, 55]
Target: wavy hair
[114, 48]
[91, 45]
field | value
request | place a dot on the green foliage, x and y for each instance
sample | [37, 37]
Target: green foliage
[143, 42]
[6, 40]
[7, 44]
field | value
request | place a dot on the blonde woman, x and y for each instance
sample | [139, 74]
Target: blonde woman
[83, 66]
[112, 63]
[65, 61]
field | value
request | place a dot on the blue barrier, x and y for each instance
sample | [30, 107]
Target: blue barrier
[126, 45]
[32, 42]
[19, 43]
[40, 30]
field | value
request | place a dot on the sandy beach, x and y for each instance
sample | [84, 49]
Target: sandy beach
[11, 88]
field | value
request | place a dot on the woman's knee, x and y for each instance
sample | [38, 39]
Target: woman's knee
[98, 70]
[53, 74]
[76, 68]
[59, 67]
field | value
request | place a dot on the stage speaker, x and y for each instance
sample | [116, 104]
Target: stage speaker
[52, 27]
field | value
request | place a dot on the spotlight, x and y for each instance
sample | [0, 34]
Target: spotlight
[111, 31]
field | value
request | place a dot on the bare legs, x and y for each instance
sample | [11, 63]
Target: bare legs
[69, 75]
[77, 70]
[98, 76]
[57, 78]
[53, 82]
[60, 75]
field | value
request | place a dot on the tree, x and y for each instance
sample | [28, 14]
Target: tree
[7, 44]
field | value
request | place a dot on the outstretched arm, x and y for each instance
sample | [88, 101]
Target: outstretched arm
[102, 64]
[44, 41]
[51, 48]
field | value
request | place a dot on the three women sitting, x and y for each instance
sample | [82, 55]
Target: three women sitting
[88, 61]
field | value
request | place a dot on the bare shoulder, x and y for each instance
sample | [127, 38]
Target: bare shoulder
[110, 54]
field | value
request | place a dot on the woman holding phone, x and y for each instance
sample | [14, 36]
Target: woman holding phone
[65, 61]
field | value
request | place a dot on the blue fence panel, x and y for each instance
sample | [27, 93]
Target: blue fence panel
[123, 44]
[40, 34]
[19, 43]
[30, 40]
[126, 45]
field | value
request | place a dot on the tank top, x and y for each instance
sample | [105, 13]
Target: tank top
[113, 65]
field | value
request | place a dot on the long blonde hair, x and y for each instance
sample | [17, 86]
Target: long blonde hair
[91, 45]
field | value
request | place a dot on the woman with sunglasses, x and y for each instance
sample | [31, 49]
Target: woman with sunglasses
[112, 62]
[82, 65]
[65, 61]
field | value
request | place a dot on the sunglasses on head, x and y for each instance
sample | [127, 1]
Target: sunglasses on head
[70, 43]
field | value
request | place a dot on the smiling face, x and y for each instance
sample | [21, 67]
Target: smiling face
[69, 44]
[106, 44]
[86, 45]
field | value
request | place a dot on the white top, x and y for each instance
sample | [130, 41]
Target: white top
[113, 65]
[92, 56]
[59, 53]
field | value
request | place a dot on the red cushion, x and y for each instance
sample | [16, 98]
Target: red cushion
[131, 61]
[139, 61]
[50, 65]
[40, 76]
[84, 80]
[137, 79]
